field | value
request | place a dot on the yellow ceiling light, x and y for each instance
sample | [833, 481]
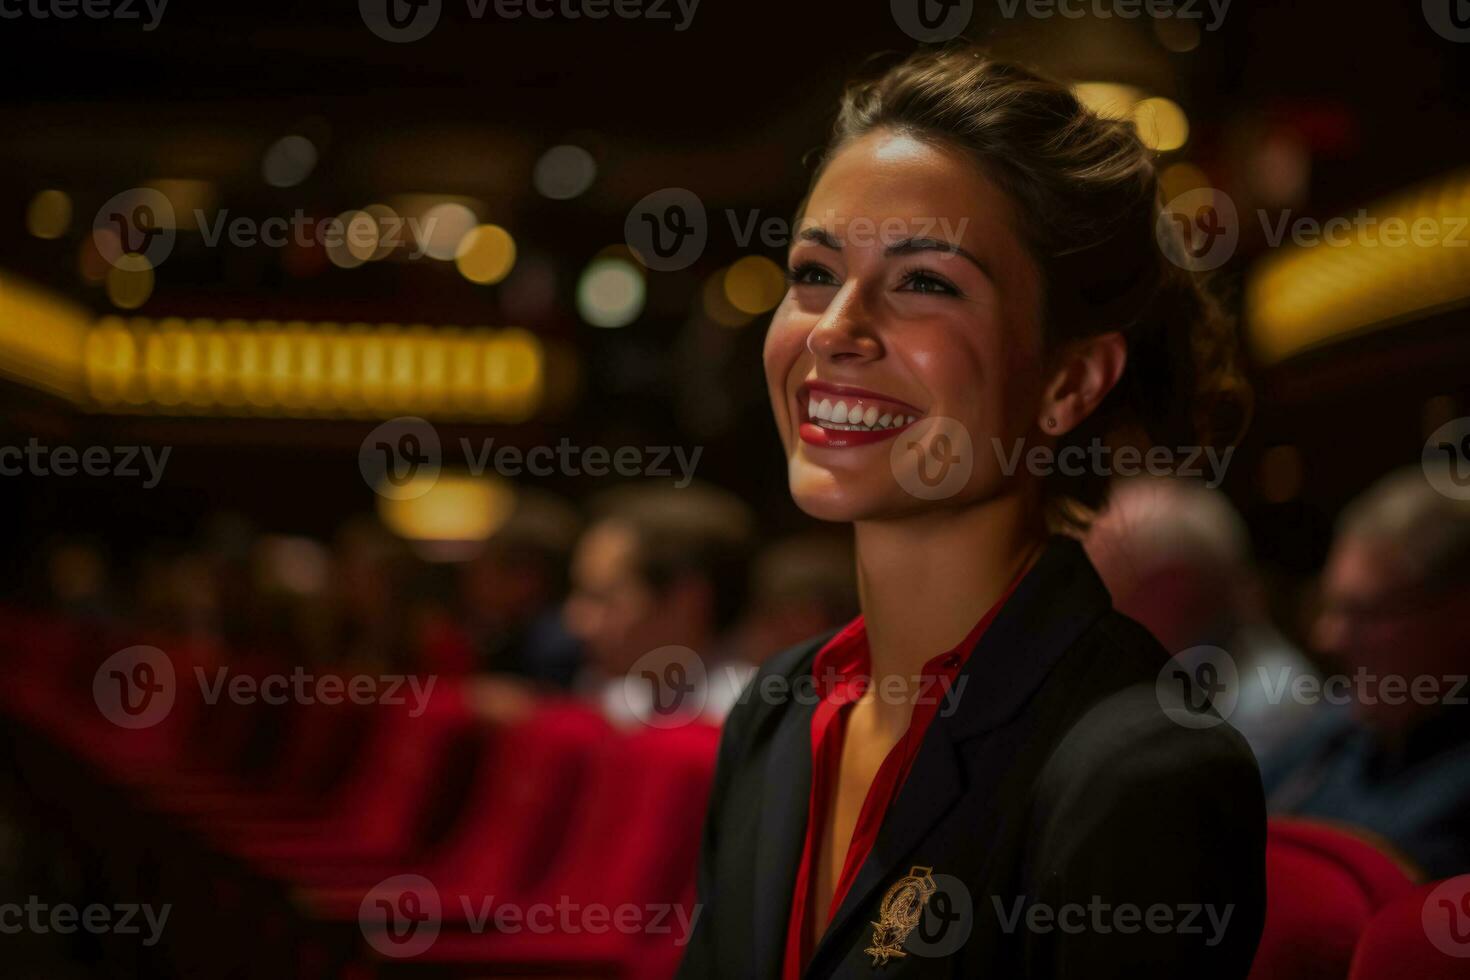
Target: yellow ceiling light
[452, 516]
[1399, 259]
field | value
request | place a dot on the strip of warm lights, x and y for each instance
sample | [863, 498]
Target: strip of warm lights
[1368, 274]
[286, 369]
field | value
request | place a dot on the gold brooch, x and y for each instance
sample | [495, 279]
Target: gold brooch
[899, 914]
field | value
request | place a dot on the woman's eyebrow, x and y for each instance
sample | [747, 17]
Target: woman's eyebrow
[912, 245]
[821, 236]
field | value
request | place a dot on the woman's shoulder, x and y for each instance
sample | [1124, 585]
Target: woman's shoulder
[778, 683]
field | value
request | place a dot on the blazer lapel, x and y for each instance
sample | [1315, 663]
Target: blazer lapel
[1052, 606]
[784, 801]
[934, 785]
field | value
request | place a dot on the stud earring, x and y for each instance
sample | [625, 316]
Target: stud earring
[1051, 422]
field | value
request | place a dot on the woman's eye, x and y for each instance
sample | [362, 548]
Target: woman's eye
[810, 274]
[924, 282]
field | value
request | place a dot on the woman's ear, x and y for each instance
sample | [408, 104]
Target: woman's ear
[1084, 374]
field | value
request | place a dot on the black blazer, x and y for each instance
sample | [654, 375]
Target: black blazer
[1088, 832]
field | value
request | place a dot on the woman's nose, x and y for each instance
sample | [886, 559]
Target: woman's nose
[846, 330]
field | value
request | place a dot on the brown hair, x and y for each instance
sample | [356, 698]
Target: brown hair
[1087, 195]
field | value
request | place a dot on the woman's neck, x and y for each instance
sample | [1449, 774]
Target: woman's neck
[926, 580]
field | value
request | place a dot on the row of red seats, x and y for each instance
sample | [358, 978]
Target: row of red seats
[327, 803]
[327, 807]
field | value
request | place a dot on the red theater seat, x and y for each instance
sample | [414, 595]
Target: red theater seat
[1400, 941]
[1323, 885]
[633, 844]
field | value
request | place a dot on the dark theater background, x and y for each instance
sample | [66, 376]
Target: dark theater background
[339, 367]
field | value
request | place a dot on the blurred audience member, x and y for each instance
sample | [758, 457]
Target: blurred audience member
[1176, 557]
[1395, 760]
[77, 581]
[510, 593]
[800, 587]
[658, 567]
[369, 573]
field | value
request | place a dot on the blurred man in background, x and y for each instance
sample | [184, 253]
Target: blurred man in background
[800, 587]
[1394, 758]
[510, 593]
[1176, 557]
[659, 567]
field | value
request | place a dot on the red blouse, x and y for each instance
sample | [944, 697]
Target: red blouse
[842, 671]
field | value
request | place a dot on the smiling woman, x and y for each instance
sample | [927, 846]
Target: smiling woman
[1016, 289]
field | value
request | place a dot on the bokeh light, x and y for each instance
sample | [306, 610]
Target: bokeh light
[49, 214]
[486, 254]
[611, 292]
[754, 284]
[289, 161]
[1161, 124]
[443, 227]
[130, 281]
[564, 172]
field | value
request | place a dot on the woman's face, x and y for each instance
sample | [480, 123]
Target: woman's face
[905, 361]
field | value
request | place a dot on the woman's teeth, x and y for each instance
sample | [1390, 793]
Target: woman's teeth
[854, 415]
